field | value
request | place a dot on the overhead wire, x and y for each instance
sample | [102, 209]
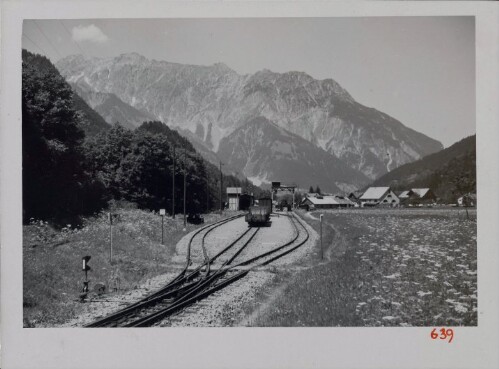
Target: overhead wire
[50, 42]
[71, 37]
[35, 44]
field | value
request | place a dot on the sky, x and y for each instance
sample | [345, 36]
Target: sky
[419, 70]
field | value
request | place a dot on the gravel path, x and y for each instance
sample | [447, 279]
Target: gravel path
[228, 307]
[111, 302]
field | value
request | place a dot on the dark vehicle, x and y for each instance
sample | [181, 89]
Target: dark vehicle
[245, 201]
[195, 218]
[266, 202]
[259, 214]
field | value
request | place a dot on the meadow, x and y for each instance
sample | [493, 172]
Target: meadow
[52, 260]
[400, 267]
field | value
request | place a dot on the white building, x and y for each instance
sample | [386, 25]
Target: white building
[233, 195]
[379, 196]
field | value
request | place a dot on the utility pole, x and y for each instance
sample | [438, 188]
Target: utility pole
[221, 188]
[173, 185]
[110, 237]
[185, 172]
[322, 250]
[207, 195]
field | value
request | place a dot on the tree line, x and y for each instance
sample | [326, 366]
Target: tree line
[74, 166]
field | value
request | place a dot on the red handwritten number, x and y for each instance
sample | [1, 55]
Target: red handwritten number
[444, 334]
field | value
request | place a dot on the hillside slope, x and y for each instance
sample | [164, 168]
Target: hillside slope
[91, 123]
[266, 152]
[450, 172]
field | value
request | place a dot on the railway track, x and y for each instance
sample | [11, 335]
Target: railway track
[189, 287]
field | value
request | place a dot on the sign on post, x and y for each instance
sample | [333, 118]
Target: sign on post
[86, 267]
[162, 212]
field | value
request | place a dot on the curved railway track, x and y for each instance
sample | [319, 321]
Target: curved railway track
[188, 287]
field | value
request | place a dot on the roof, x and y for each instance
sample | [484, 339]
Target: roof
[421, 192]
[325, 200]
[374, 193]
[329, 200]
[357, 194]
[343, 200]
[234, 190]
[405, 194]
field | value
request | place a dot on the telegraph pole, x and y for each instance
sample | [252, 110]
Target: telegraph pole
[322, 250]
[207, 195]
[185, 171]
[221, 188]
[173, 185]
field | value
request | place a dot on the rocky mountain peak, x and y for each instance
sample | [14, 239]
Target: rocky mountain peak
[130, 58]
[213, 101]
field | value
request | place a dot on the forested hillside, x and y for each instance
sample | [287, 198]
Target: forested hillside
[450, 173]
[74, 163]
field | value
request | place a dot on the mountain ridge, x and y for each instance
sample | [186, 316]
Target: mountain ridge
[213, 101]
[267, 152]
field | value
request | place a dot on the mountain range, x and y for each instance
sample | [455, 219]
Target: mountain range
[216, 108]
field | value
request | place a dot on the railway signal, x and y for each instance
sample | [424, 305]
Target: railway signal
[85, 268]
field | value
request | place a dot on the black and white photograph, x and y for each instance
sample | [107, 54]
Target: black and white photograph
[215, 172]
[250, 173]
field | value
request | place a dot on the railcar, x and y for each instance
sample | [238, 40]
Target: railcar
[259, 214]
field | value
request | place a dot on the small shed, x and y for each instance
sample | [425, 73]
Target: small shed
[233, 197]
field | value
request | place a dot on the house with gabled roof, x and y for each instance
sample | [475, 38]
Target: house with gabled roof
[417, 196]
[379, 196]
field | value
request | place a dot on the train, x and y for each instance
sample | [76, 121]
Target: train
[259, 214]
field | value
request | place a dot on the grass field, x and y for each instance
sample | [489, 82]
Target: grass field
[395, 267]
[52, 260]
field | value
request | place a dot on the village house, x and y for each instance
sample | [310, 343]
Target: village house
[355, 197]
[417, 196]
[379, 196]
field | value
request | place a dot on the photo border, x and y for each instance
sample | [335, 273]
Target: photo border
[248, 347]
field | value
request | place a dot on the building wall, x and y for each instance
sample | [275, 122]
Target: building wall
[233, 202]
[390, 199]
